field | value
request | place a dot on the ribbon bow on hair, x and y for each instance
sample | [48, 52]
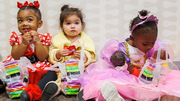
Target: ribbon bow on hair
[36, 4]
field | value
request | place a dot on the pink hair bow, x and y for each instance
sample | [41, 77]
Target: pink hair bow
[150, 18]
[143, 17]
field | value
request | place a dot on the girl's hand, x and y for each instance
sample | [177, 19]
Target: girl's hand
[62, 53]
[130, 68]
[77, 54]
[132, 65]
[137, 65]
[26, 38]
[35, 36]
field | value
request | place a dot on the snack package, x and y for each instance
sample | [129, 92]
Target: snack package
[15, 74]
[154, 70]
[69, 83]
[70, 71]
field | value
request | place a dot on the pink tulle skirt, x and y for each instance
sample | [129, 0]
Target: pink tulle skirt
[128, 86]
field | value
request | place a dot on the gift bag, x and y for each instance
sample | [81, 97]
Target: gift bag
[70, 84]
[154, 70]
[15, 74]
[70, 71]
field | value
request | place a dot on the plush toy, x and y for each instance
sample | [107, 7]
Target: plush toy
[118, 59]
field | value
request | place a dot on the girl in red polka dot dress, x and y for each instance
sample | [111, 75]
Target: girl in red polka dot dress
[34, 46]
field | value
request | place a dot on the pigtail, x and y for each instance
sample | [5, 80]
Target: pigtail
[143, 14]
[64, 7]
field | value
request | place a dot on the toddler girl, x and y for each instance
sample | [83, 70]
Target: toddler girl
[72, 24]
[34, 46]
[101, 82]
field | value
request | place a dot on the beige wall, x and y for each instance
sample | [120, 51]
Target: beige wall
[105, 19]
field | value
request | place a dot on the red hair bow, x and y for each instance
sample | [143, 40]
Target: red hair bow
[25, 3]
[19, 5]
[30, 4]
[36, 4]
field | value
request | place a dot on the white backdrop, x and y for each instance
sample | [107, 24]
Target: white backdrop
[105, 19]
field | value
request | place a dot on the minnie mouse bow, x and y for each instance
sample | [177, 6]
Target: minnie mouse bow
[36, 4]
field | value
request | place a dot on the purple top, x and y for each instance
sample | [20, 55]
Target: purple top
[113, 45]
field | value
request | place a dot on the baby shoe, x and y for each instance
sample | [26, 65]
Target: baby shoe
[110, 93]
[50, 90]
[25, 96]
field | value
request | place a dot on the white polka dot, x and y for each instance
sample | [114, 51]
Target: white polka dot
[14, 29]
[13, 39]
[14, 2]
[2, 7]
[3, 35]
[13, 21]
[2, 16]
[52, 13]
[52, 3]
[38, 65]
[52, 22]
[3, 44]
[4, 53]
[3, 25]
[13, 11]
[128, 16]
[75, 3]
[126, 26]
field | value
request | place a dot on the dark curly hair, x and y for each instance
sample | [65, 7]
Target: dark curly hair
[147, 25]
[118, 58]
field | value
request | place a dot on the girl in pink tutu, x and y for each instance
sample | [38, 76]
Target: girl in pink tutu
[102, 82]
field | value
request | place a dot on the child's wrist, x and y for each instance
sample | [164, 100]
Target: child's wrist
[24, 43]
[57, 56]
[38, 42]
[85, 58]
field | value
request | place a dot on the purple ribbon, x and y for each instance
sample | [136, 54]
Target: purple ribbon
[15, 85]
[10, 62]
[150, 18]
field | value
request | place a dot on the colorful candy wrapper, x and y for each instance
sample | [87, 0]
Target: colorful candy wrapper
[15, 74]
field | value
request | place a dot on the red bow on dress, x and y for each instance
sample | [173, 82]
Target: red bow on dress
[36, 4]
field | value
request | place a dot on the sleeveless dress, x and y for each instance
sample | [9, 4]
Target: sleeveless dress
[128, 86]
